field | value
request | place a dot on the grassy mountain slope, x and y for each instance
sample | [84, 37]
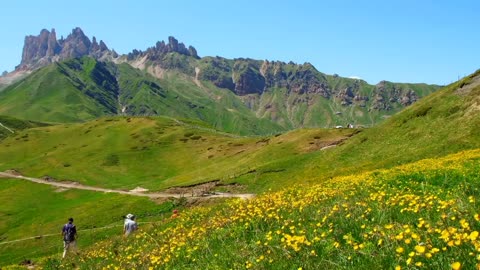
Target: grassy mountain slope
[50, 96]
[242, 96]
[296, 95]
[177, 96]
[30, 209]
[442, 123]
[12, 124]
[83, 89]
[421, 215]
[184, 155]
[359, 221]
[153, 153]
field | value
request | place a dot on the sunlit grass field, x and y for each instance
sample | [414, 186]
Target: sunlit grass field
[154, 153]
[422, 215]
[30, 209]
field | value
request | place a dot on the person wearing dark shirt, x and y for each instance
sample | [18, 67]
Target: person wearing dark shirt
[69, 234]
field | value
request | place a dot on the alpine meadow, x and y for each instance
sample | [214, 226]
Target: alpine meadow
[211, 162]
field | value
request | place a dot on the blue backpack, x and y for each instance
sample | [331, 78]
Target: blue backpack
[69, 232]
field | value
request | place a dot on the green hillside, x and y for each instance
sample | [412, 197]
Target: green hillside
[50, 96]
[30, 209]
[83, 89]
[180, 97]
[154, 153]
[298, 95]
[241, 96]
[442, 123]
[176, 153]
[157, 153]
[420, 215]
[10, 125]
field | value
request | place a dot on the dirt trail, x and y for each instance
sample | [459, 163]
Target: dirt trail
[152, 195]
[1, 125]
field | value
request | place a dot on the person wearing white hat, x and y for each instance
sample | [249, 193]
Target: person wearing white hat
[130, 225]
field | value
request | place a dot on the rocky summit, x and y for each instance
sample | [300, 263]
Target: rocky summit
[44, 49]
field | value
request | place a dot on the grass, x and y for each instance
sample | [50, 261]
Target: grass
[30, 209]
[442, 123]
[15, 125]
[420, 131]
[114, 152]
[49, 96]
[346, 216]
[420, 215]
[83, 89]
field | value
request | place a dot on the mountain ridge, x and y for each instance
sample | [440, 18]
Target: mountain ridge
[287, 94]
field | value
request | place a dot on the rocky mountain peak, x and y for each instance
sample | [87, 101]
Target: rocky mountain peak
[77, 44]
[45, 48]
[37, 47]
[161, 48]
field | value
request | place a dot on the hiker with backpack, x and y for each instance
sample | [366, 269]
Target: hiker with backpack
[130, 225]
[69, 233]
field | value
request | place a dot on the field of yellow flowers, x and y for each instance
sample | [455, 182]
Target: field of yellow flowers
[422, 215]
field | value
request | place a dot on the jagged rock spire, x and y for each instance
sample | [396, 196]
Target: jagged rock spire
[45, 48]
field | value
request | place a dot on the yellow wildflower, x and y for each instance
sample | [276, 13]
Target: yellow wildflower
[456, 265]
[420, 249]
[473, 236]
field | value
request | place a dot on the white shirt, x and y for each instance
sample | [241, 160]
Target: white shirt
[130, 226]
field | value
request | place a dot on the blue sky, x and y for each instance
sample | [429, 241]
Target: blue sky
[401, 41]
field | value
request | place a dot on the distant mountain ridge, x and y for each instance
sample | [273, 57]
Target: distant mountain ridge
[287, 94]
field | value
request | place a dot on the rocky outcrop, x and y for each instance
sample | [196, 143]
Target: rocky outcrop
[75, 45]
[45, 48]
[299, 79]
[38, 47]
[161, 48]
[386, 94]
[248, 79]
[217, 70]
[97, 50]
[303, 82]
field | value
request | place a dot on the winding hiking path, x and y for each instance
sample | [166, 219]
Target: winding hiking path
[132, 193]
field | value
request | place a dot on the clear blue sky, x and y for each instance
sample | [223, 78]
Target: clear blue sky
[398, 40]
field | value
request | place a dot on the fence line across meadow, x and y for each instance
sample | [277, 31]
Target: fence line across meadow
[57, 234]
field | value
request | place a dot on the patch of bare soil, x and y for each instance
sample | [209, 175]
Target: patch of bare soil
[194, 190]
[232, 188]
[467, 88]
[322, 145]
[139, 189]
[13, 172]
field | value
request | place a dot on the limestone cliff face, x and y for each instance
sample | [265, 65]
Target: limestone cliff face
[298, 94]
[43, 49]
